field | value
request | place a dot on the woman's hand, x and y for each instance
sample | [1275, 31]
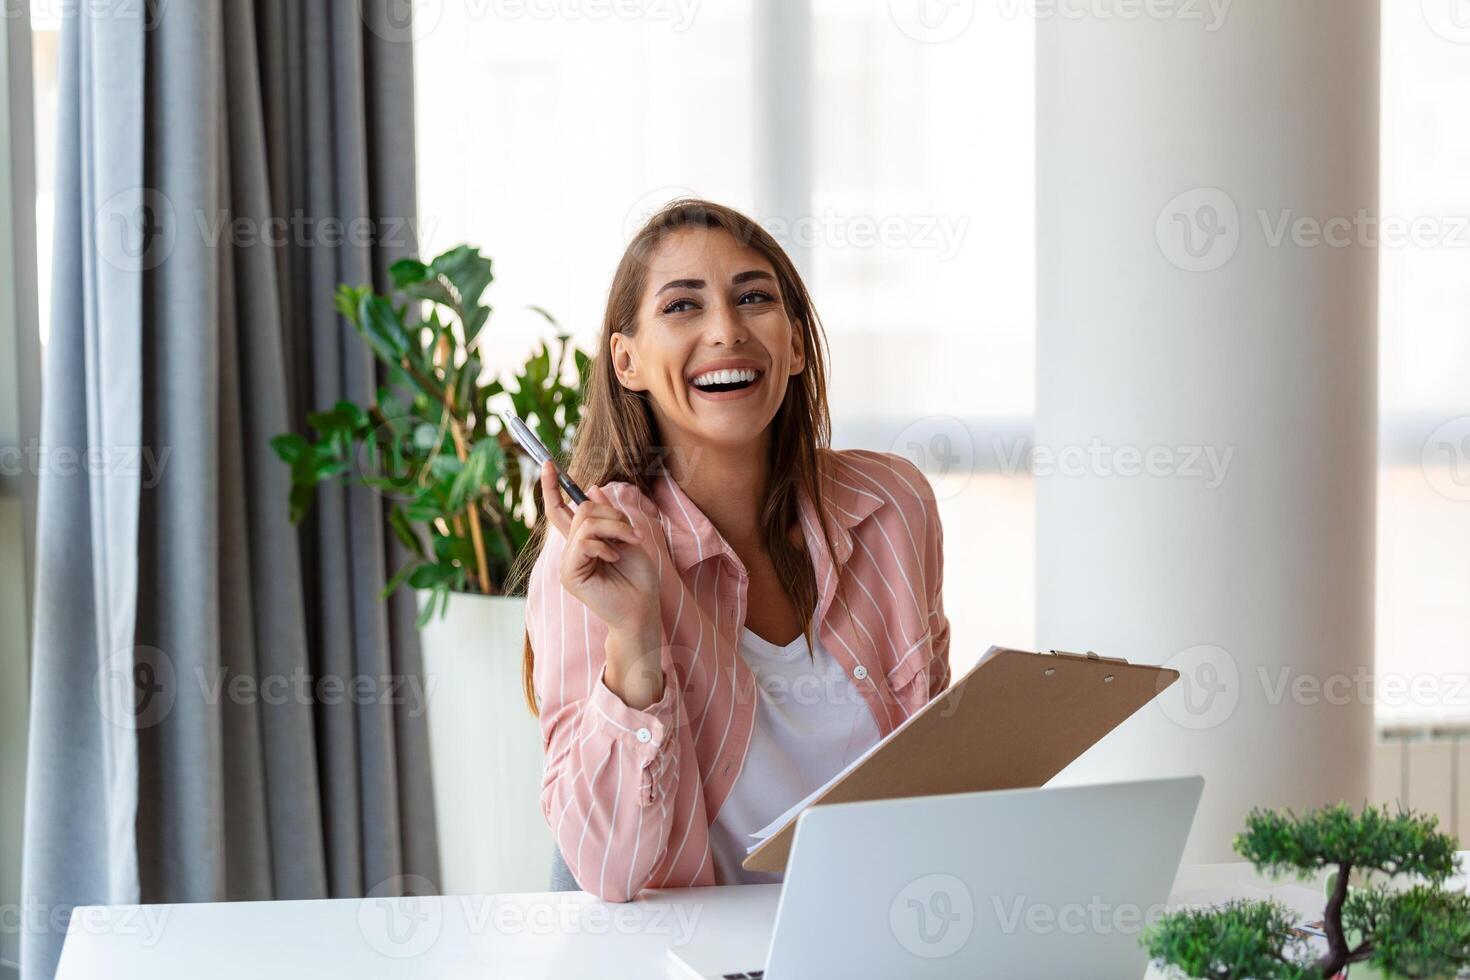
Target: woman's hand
[608, 566]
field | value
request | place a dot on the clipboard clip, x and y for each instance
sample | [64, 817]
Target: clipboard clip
[1089, 655]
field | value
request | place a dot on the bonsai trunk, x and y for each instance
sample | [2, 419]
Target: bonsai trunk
[1336, 957]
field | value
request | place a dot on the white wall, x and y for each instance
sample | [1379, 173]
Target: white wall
[1257, 569]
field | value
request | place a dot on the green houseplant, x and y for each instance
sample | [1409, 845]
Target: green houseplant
[434, 446]
[432, 442]
[1406, 924]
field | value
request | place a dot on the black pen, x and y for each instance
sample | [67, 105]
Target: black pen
[526, 439]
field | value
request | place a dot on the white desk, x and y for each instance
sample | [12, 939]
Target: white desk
[553, 934]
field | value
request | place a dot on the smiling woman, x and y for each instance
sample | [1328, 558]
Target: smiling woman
[725, 557]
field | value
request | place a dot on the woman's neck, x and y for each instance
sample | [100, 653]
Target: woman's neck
[728, 485]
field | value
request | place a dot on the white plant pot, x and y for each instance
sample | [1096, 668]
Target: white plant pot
[484, 749]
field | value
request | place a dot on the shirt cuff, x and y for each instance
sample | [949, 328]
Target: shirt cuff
[643, 731]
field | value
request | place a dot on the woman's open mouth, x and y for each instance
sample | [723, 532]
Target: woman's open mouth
[726, 383]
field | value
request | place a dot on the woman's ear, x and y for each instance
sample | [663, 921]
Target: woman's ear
[625, 362]
[798, 349]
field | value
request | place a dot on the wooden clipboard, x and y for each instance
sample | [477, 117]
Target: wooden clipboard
[1014, 721]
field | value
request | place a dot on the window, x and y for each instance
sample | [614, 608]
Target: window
[547, 141]
[925, 144]
[45, 66]
[1423, 601]
[919, 230]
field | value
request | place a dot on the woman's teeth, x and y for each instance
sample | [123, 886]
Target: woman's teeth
[726, 380]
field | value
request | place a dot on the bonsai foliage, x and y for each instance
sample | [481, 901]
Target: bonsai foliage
[1404, 925]
[432, 443]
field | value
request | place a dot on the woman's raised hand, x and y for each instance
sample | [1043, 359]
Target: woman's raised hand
[606, 563]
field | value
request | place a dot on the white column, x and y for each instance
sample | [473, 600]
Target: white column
[784, 53]
[1205, 425]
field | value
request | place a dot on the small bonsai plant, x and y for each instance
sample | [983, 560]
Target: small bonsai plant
[1408, 925]
[432, 442]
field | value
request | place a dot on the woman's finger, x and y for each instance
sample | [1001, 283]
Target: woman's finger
[592, 549]
[606, 529]
[557, 512]
[594, 511]
[605, 502]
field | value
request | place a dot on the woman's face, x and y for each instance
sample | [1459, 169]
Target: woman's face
[713, 346]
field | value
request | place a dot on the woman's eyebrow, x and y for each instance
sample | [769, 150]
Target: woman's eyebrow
[681, 284]
[737, 279]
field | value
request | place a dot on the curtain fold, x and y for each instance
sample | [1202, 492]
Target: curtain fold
[222, 705]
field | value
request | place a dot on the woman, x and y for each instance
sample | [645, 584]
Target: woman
[737, 611]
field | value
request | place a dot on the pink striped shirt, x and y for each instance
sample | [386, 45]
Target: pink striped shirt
[630, 795]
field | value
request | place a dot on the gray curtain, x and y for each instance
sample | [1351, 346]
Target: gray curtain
[198, 729]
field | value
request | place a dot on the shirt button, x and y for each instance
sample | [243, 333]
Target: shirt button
[860, 672]
[644, 735]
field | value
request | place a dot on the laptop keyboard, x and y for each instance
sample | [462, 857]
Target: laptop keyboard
[748, 975]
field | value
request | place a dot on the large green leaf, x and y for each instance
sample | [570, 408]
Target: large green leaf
[480, 470]
[383, 328]
[401, 527]
[407, 271]
[348, 301]
[467, 271]
[290, 446]
[428, 575]
[431, 289]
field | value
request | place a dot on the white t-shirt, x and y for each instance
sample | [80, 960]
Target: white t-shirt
[810, 722]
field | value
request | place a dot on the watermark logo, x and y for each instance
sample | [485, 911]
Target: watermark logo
[943, 448]
[1450, 19]
[932, 21]
[1445, 459]
[136, 229]
[1208, 689]
[687, 250]
[1199, 230]
[399, 918]
[403, 20]
[135, 687]
[933, 916]
[388, 459]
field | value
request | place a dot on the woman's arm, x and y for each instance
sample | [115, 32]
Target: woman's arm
[938, 621]
[611, 768]
[933, 577]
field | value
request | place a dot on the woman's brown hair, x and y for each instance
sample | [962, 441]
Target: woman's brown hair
[617, 439]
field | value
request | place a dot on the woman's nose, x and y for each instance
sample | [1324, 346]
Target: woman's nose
[724, 326]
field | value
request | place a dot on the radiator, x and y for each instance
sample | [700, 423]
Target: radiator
[1424, 768]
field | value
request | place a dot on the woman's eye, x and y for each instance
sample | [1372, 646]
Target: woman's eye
[672, 307]
[761, 296]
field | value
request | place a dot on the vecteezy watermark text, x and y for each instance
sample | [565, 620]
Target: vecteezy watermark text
[1209, 13]
[1207, 464]
[1201, 229]
[34, 459]
[146, 923]
[404, 926]
[1094, 917]
[409, 691]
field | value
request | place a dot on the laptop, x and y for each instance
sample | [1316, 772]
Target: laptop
[1012, 884]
